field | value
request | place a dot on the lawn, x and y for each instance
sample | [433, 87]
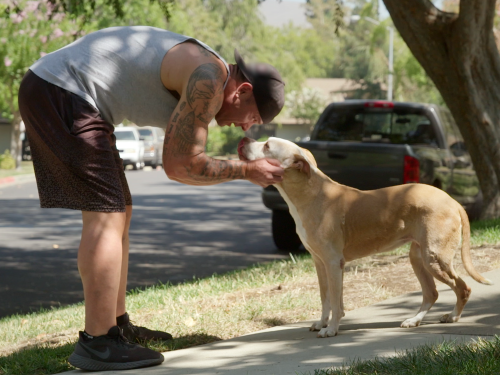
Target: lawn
[226, 306]
[479, 357]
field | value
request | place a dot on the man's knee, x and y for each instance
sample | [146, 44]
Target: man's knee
[97, 222]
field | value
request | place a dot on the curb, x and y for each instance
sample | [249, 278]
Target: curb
[12, 180]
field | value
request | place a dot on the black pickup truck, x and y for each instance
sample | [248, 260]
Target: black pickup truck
[370, 144]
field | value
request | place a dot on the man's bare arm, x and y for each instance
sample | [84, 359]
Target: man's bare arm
[185, 139]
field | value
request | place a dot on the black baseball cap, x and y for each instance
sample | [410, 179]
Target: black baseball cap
[268, 87]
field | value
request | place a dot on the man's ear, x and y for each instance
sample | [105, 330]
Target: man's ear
[301, 164]
[245, 88]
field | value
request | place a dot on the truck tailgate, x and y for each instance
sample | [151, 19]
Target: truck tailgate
[364, 166]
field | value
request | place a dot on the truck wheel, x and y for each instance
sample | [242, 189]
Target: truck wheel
[284, 234]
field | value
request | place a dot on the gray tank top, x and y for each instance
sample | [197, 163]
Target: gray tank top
[117, 70]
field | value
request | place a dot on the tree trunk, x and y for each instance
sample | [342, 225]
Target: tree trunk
[459, 54]
[16, 148]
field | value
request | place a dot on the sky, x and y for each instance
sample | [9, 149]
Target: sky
[279, 13]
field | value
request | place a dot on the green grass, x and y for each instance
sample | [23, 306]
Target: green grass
[38, 360]
[485, 232]
[196, 312]
[481, 357]
[26, 168]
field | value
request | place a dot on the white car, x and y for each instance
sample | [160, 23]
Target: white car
[130, 146]
[153, 145]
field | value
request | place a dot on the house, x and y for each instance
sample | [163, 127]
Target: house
[293, 129]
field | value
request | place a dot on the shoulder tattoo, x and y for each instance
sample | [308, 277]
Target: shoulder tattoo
[205, 85]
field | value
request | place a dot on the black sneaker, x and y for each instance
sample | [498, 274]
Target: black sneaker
[111, 352]
[139, 334]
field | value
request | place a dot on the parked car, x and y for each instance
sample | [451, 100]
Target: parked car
[153, 145]
[130, 146]
[370, 144]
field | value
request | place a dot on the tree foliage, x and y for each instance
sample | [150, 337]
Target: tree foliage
[305, 104]
[223, 140]
[355, 51]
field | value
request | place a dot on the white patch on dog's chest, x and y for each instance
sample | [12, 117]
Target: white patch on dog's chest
[295, 214]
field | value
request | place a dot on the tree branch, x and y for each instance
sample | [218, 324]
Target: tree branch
[423, 26]
[475, 22]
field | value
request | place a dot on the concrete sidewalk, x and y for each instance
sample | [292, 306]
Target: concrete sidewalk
[365, 333]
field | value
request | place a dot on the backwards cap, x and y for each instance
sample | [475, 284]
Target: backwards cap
[268, 87]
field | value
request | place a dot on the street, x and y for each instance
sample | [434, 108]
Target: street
[178, 232]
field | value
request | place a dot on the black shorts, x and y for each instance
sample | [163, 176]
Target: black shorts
[77, 165]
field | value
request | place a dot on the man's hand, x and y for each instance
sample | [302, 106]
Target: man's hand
[264, 172]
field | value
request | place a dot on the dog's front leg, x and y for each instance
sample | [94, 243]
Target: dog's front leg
[334, 268]
[325, 298]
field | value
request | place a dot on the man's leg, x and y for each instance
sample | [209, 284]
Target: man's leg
[131, 331]
[120, 306]
[100, 266]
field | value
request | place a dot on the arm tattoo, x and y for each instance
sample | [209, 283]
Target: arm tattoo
[204, 96]
[204, 84]
[185, 135]
[213, 170]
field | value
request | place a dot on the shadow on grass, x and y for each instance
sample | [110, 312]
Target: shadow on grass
[44, 359]
[37, 360]
[485, 224]
[274, 322]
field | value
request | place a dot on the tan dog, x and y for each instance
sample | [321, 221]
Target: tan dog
[338, 224]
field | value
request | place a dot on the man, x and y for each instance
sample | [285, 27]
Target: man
[69, 100]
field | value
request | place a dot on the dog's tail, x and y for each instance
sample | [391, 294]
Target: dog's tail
[466, 258]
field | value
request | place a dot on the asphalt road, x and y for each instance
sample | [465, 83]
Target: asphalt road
[178, 232]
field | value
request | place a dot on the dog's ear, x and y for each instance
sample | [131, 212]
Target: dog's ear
[300, 163]
[310, 157]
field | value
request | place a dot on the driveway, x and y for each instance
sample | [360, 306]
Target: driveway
[178, 232]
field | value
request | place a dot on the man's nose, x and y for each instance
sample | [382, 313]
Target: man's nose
[246, 126]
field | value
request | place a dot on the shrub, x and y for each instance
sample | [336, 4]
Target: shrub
[223, 140]
[7, 161]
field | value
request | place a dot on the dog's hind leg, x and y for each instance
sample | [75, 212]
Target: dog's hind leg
[325, 298]
[446, 274]
[429, 291]
[440, 264]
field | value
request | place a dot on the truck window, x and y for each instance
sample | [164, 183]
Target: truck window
[360, 125]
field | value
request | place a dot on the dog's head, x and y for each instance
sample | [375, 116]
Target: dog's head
[287, 153]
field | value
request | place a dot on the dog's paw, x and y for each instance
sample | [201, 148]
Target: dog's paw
[317, 326]
[410, 323]
[448, 318]
[327, 332]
